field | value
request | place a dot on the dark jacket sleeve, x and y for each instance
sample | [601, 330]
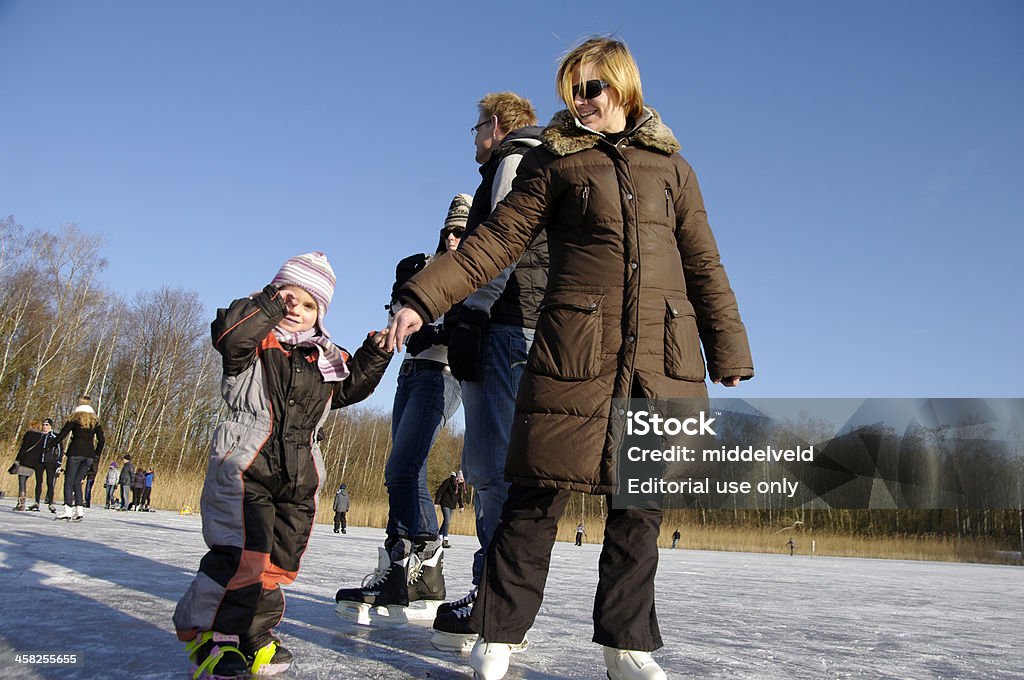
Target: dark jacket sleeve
[707, 286]
[238, 330]
[100, 440]
[494, 245]
[64, 431]
[366, 368]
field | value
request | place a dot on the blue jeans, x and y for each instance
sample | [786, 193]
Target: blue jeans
[424, 402]
[489, 407]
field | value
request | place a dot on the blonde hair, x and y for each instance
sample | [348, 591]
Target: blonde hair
[85, 419]
[614, 64]
[511, 110]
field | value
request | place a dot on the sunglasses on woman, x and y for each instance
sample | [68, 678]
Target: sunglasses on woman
[590, 89]
[457, 233]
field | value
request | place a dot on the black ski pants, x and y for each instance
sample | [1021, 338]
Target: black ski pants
[519, 556]
[50, 469]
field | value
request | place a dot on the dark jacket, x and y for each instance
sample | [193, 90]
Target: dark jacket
[127, 474]
[139, 479]
[30, 453]
[84, 443]
[635, 288]
[278, 398]
[53, 452]
[447, 494]
[519, 303]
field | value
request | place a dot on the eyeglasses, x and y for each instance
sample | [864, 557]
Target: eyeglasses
[591, 89]
[457, 233]
[473, 130]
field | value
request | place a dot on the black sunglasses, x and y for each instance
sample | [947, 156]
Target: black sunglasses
[590, 89]
[457, 233]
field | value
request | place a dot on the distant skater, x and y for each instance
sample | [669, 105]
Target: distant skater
[792, 546]
[86, 447]
[580, 533]
[341, 505]
[675, 538]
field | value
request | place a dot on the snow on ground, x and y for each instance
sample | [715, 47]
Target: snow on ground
[106, 588]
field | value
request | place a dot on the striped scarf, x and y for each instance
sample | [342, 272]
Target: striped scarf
[330, 359]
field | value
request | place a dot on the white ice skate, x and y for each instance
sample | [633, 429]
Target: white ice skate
[68, 513]
[489, 660]
[625, 664]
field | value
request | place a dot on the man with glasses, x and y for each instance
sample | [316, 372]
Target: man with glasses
[491, 338]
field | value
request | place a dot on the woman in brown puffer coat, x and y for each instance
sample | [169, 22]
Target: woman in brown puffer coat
[635, 289]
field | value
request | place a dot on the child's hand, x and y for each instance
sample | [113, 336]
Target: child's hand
[380, 338]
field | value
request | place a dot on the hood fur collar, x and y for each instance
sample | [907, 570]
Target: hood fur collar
[565, 135]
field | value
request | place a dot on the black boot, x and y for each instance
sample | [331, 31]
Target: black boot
[426, 581]
[384, 594]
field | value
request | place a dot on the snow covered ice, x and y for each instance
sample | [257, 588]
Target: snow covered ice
[106, 588]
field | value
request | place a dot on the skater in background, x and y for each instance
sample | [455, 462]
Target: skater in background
[85, 447]
[147, 488]
[110, 483]
[448, 498]
[90, 481]
[282, 375]
[635, 288]
[53, 454]
[125, 480]
[138, 486]
[426, 399]
[580, 533]
[791, 544]
[675, 538]
[341, 506]
[29, 461]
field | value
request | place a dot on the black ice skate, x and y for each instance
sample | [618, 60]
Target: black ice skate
[426, 582]
[384, 595]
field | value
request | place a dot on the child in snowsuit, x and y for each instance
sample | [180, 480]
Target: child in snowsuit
[282, 376]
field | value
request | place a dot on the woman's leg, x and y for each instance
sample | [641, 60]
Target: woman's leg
[39, 484]
[22, 485]
[417, 418]
[516, 566]
[446, 514]
[624, 616]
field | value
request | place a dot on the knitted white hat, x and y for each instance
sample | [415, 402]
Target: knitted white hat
[312, 273]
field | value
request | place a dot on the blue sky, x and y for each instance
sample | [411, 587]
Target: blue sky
[861, 162]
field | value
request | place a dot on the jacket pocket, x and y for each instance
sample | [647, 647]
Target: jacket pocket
[683, 357]
[567, 344]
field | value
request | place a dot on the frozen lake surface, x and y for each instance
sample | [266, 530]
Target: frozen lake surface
[106, 588]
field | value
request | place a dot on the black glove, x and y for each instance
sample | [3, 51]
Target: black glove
[421, 340]
[466, 345]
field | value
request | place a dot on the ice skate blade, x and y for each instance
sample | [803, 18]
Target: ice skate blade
[369, 615]
[453, 642]
[422, 610]
[463, 643]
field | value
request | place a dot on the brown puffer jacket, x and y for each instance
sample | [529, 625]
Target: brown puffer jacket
[635, 288]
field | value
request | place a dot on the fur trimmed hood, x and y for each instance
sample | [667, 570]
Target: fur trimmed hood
[564, 135]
